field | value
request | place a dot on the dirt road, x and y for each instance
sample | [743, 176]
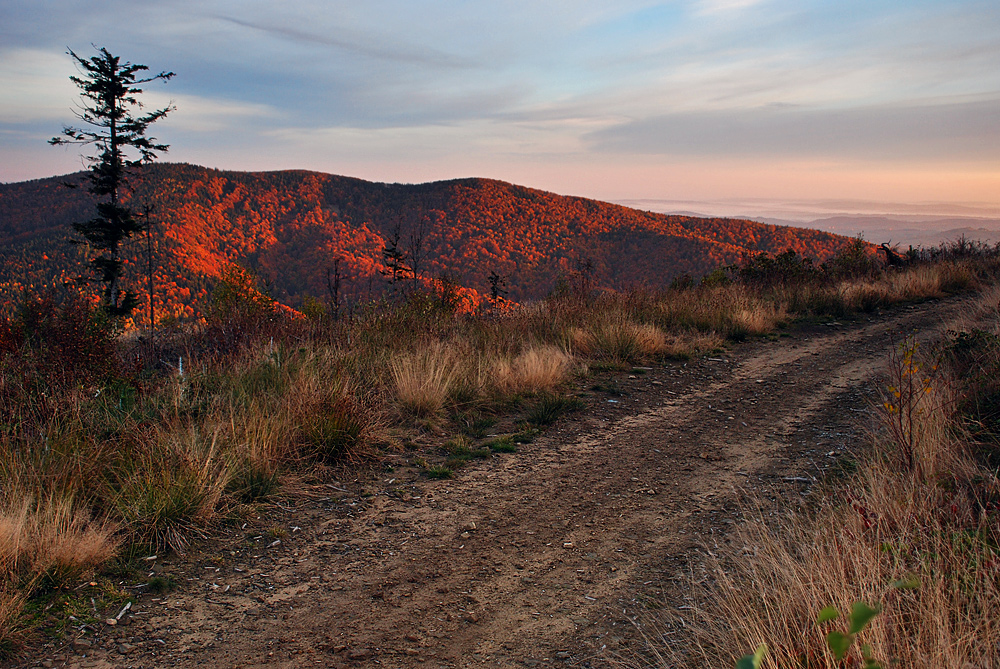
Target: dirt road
[530, 559]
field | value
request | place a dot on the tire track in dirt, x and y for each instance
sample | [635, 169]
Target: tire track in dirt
[569, 534]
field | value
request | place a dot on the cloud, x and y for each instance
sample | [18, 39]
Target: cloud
[195, 113]
[950, 131]
[35, 86]
[370, 46]
[724, 6]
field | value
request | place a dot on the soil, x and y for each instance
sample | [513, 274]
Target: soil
[529, 559]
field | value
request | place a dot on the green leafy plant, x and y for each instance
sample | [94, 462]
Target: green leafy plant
[753, 661]
[840, 643]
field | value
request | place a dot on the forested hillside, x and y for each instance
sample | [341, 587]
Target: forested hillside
[293, 227]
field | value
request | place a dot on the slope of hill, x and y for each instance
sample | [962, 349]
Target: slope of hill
[291, 226]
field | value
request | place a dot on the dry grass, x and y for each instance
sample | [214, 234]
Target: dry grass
[685, 345]
[66, 543]
[52, 539]
[620, 340]
[538, 368]
[889, 529]
[12, 600]
[914, 509]
[162, 454]
[423, 380]
[734, 311]
[914, 283]
[52, 542]
[886, 527]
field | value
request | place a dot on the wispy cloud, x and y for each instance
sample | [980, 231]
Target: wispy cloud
[724, 6]
[371, 46]
[964, 131]
[35, 86]
[200, 114]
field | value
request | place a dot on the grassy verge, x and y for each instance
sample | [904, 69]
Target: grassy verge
[111, 445]
[911, 539]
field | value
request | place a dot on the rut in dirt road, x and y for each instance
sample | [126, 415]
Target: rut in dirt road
[530, 559]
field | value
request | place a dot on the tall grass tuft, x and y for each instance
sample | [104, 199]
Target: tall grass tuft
[620, 340]
[164, 491]
[538, 368]
[422, 380]
[45, 543]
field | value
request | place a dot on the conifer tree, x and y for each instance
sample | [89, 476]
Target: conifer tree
[113, 123]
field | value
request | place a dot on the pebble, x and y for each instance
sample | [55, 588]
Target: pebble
[465, 535]
[469, 527]
[111, 621]
[358, 654]
[568, 544]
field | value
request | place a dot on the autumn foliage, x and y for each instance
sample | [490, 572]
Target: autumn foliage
[292, 227]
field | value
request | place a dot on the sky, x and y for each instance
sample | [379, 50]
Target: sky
[853, 102]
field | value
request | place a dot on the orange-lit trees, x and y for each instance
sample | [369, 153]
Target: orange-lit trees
[109, 111]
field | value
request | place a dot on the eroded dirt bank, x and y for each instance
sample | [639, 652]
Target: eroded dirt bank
[532, 559]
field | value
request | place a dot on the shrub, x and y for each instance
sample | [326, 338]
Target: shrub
[855, 260]
[766, 271]
[242, 313]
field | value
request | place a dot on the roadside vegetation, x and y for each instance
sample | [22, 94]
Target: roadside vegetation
[907, 539]
[116, 445]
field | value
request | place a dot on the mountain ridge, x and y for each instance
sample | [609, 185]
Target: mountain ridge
[290, 226]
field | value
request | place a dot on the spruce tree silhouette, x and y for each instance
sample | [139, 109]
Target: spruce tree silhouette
[110, 111]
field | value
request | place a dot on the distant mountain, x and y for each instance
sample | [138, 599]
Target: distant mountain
[292, 226]
[912, 230]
